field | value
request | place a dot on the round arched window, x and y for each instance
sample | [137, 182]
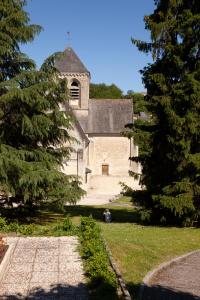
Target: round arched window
[75, 90]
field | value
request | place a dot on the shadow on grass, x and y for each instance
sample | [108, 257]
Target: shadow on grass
[49, 214]
[158, 292]
[119, 215]
[134, 290]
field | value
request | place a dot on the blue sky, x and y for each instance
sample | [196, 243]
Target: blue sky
[101, 32]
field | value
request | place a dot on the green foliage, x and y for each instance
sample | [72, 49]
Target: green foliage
[24, 229]
[139, 102]
[67, 224]
[103, 91]
[34, 131]
[126, 190]
[145, 216]
[15, 29]
[13, 227]
[65, 228]
[170, 141]
[102, 279]
[3, 223]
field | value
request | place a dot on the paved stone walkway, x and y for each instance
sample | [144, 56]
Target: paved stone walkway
[180, 280]
[44, 268]
[95, 199]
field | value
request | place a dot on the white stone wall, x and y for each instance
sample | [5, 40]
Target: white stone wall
[114, 151]
[110, 185]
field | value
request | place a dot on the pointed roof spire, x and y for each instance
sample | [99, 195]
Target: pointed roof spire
[69, 62]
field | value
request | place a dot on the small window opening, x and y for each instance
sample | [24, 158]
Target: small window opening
[75, 90]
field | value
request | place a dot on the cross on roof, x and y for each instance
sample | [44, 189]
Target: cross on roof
[68, 39]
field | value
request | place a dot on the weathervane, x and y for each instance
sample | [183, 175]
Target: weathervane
[68, 38]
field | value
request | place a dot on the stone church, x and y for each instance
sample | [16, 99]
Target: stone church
[101, 155]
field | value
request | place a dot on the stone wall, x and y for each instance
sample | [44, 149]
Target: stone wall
[84, 80]
[113, 151]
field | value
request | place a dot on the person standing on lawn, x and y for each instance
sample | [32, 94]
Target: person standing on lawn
[107, 216]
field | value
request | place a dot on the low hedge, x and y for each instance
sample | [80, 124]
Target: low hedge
[102, 280]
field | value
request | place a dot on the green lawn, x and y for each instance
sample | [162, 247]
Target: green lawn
[123, 200]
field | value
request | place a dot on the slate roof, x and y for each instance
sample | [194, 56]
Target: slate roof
[69, 62]
[107, 116]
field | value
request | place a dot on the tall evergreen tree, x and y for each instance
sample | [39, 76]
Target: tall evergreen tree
[34, 131]
[170, 142]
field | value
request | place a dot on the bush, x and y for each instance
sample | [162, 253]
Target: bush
[26, 229]
[102, 279]
[67, 224]
[13, 227]
[65, 228]
[145, 216]
[3, 223]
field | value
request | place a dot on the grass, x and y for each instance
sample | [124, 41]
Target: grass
[124, 200]
[137, 249]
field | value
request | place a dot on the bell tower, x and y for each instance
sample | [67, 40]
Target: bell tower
[78, 79]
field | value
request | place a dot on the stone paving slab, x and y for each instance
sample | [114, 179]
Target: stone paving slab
[44, 268]
[178, 280]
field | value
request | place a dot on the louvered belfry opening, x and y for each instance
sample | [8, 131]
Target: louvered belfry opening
[75, 90]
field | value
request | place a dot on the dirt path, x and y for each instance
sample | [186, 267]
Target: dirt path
[180, 280]
[44, 268]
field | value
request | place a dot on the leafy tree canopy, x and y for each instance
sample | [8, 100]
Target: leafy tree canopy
[103, 91]
[139, 102]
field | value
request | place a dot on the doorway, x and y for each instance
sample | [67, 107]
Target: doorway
[105, 169]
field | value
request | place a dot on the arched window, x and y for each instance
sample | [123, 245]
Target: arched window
[75, 90]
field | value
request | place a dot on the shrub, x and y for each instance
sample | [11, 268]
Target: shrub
[14, 227]
[3, 223]
[145, 215]
[96, 260]
[26, 229]
[67, 224]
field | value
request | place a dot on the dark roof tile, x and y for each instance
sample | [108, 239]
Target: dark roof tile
[107, 116]
[69, 62]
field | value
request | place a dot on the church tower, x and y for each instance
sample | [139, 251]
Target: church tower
[78, 80]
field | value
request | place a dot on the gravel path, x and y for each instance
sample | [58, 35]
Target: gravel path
[44, 268]
[180, 280]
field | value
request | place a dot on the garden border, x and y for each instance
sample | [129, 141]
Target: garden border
[148, 277]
